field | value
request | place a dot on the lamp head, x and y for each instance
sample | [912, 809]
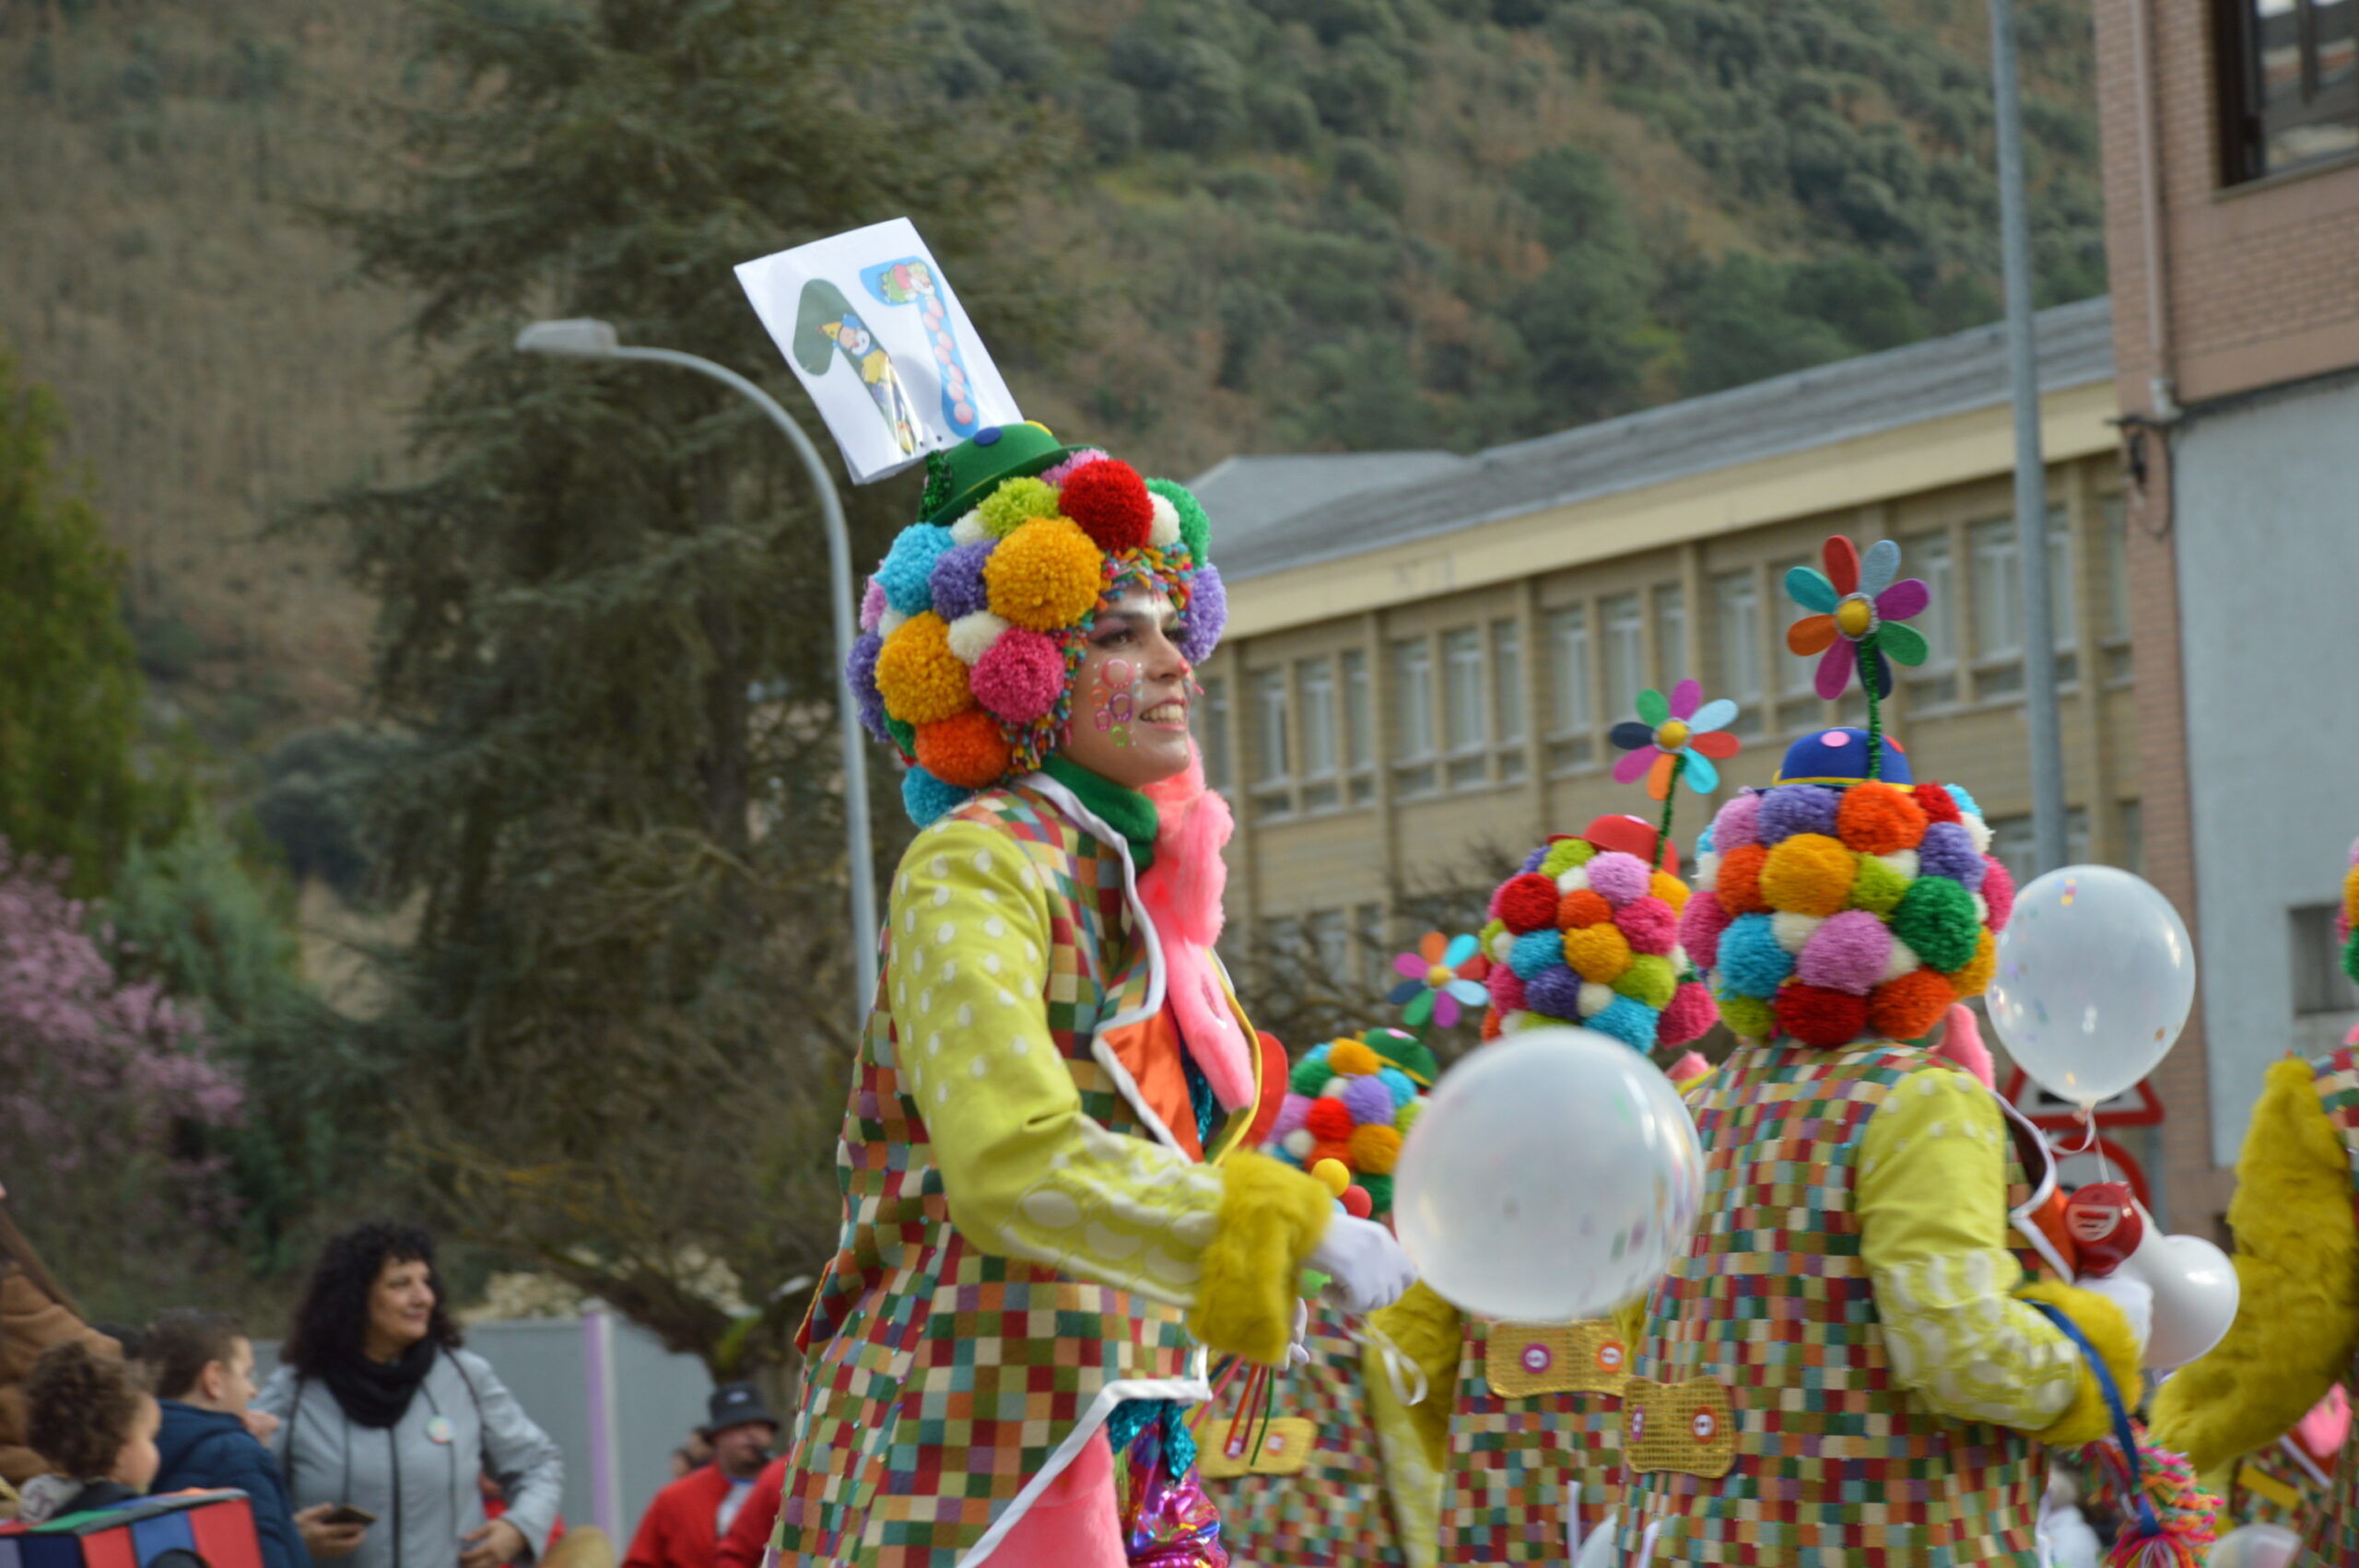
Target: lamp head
[581, 338]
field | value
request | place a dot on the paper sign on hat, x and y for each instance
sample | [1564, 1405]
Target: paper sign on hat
[882, 345]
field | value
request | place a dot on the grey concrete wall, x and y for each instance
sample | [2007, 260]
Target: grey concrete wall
[2267, 535]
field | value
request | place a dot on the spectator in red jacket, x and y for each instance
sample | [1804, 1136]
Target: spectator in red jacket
[743, 1545]
[684, 1524]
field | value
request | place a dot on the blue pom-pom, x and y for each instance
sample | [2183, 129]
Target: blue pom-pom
[1965, 801]
[1751, 961]
[1531, 861]
[1318, 1052]
[906, 574]
[1403, 1087]
[1627, 1020]
[1534, 952]
[1704, 841]
[925, 797]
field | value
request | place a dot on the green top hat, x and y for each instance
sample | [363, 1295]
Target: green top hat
[957, 479]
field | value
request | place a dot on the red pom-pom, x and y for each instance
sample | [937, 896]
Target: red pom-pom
[1690, 1015]
[1998, 892]
[1908, 1008]
[1700, 925]
[1527, 903]
[1330, 1122]
[1356, 1203]
[1649, 925]
[1879, 819]
[1937, 804]
[1583, 908]
[1738, 887]
[1110, 502]
[1817, 1016]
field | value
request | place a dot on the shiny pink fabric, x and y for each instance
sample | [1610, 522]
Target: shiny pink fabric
[1074, 1522]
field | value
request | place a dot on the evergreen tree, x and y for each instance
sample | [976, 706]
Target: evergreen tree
[603, 666]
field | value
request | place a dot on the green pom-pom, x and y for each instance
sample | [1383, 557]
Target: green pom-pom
[1379, 1193]
[1562, 858]
[1878, 888]
[1313, 1281]
[1016, 503]
[904, 734]
[2351, 957]
[1936, 920]
[1310, 1076]
[938, 483]
[1649, 979]
[1195, 529]
[1747, 1017]
[1406, 1117]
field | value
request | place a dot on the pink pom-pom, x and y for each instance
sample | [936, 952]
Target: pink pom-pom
[1689, 1016]
[1292, 1112]
[1847, 954]
[1738, 825]
[1020, 676]
[1998, 892]
[1063, 471]
[1961, 1044]
[872, 606]
[1648, 925]
[1700, 927]
[1507, 989]
[1690, 1066]
[1619, 877]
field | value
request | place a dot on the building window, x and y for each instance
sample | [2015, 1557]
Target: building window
[1376, 957]
[1468, 729]
[2320, 984]
[1413, 717]
[1736, 636]
[1315, 678]
[1571, 709]
[1800, 707]
[1359, 730]
[1998, 608]
[2289, 85]
[2063, 593]
[1272, 775]
[1671, 636]
[1624, 626]
[2134, 837]
[2013, 845]
[1506, 697]
[1211, 732]
[1933, 685]
[1331, 944]
[2116, 523]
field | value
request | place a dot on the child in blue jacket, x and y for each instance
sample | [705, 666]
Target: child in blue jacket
[204, 1369]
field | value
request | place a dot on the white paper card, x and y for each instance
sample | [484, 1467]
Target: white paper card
[881, 344]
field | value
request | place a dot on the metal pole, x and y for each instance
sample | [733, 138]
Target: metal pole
[2031, 470]
[831, 512]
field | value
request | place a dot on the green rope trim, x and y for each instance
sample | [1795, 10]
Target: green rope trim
[1669, 799]
[1870, 663]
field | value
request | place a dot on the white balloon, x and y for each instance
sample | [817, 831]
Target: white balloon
[2094, 979]
[2196, 1293]
[2255, 1546]
[1551, 1177]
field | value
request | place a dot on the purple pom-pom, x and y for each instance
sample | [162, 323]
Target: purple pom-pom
[1948, 850]
[1291, 1111]
[1847, 954]
[861, 674]
[1555, 992]
[1369, 1100]
[1790, 809]
[957, 581]
[872, 606]
[1738, 825]
[1531, 861]
[1207, 615]
[1618, 878]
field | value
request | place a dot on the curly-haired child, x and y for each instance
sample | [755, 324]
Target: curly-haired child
[94, 1421]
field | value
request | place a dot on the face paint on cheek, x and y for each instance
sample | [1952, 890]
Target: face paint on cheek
[1114, 698]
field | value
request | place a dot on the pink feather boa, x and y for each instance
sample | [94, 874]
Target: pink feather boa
[1183, 894]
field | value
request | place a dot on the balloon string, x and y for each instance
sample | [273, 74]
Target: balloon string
[2087, 1117]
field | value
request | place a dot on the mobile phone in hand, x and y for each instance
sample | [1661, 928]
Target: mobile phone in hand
[346, 1514]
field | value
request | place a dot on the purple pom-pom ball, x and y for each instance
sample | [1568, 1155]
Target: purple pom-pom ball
[1207, 615]
[957, 581]
[1948, 850]
[1738, 825]
[1554, 992]
[1790, 809]
[1292, 1112]
[872, 606]
[861, 674]
[1369, 1100]
[1531, 861]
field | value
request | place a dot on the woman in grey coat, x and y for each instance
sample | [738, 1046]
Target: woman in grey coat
[383, 1412]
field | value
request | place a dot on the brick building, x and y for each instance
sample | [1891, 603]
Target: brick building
[2231, 145]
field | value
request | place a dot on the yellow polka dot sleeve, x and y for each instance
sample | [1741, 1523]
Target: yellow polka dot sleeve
[1934, 1234]
[1026, 1173]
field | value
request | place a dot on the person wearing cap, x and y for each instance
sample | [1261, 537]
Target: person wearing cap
[684, 1523]
[1052, 1215]
[1846, 1364]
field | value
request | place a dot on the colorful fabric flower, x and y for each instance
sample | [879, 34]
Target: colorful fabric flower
[1443, 977]
[1685, 734]
[1858, 609]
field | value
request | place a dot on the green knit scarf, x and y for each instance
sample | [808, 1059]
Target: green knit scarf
[1119, 807]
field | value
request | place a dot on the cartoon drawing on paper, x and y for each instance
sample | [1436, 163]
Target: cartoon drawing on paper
[910, 281]
[826, 323]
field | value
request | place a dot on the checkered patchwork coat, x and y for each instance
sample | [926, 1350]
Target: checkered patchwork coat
[1029, 1216]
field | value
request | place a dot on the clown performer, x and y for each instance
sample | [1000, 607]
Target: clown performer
[1049, 1219]
[2297, 1329]
[1847, 1368]
[1293, 1457]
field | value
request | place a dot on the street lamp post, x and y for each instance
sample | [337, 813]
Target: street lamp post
[597, 340]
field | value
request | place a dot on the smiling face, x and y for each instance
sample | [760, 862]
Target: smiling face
[1130, 696]
[401, 1308]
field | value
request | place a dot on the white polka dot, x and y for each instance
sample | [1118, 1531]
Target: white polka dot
[1020, 1046]
[1050, 1209]
[942, 1093]
[917, 958]
[995, 927]
[1028, 877]
[909, 919]
[949, 970]
[1031, 953]
[983, 860]
[966, 1016]
[990, 964]
[944, 932]
[990, 894]
[940, 866]
[925, 1000]
[979, 1067]
[941, 896]
[1008, 999]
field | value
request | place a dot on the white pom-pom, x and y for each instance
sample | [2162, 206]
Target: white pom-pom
[1512, 1022]
[1299, 1143]
[1574, 880]
[972, 636]
[1981, 911]
[968, 530]
[1595, 999]
[1903, 961]
[1903, 863]
[1164, 532]
[1678, 964]
[1979, 830]
[1791, 929]
[1334, 1090]
[1708, 870]
[893, 620]
[1501, 945]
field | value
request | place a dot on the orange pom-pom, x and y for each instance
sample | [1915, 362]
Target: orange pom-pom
[918, 677]
[966, 749]
[1374, 1150]
[1909, 1006]
[1739, 885]
[1670, 890]
[1598, 953]
[1808, 875]
[1491, 1027]
[1045, 576]
[1353, 1058]
[1879, 819]
[1975, 979]
[1583, 908]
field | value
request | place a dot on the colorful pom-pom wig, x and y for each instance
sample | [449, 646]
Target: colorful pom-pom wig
[974, 621]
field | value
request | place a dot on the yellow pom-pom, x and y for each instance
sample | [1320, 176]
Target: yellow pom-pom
[918, 677]
[1808, 875]
[1670, 890]
[1748, 1018]
[1015, 503]
[1975, 979]
[1045, 576]
[1374, 1150]
[1335, 1173]
[2351, 896]
[1597, 954]
[1352, 1059]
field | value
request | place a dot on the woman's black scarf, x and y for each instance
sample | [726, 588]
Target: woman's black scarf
[376, 1393]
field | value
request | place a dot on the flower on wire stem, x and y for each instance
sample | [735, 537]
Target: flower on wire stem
[1858, 611]
[1443, 978]
[1680, 735]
